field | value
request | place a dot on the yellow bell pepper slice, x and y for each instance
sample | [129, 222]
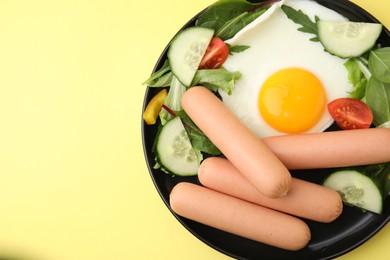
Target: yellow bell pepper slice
[154, 107]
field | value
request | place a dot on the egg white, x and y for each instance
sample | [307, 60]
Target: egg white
[275, 44]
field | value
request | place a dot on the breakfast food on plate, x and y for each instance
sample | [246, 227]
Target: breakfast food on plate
[154, 107]
[286, 79]
[260, 84]
[274, 86]
[254, 160]
[239, 217]
[365, 187]
[331, 149]
[348, 46]
[184, 61]
[304, 199]
[174, 149]
[350, 113]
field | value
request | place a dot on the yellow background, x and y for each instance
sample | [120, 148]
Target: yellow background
[73, 180]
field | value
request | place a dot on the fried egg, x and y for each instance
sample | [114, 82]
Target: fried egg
[286, 79]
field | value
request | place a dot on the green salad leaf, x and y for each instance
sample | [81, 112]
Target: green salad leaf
[215, 79]
[212, 79]
[298, 17]
[227, 17]
[237, 48]
[161, 78]
[233, 26]
[379, 64]
[173, 100]
[357, 78]
[380, 174]
[163, 81]
[378, 99]
[222, 11]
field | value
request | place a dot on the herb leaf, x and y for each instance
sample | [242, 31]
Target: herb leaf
[173, 100]
[215, 79]
[237, 48]
[163, 81]
[233, 26]
[378, 99]
[161, 78]
[298, 17]
[219, 13]
[379, 64]
[356, 78]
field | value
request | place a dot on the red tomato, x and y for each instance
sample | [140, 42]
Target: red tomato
[216, 54]
[350, 113]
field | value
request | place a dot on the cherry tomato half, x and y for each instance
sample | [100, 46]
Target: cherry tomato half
[215, 55]
[350, 113]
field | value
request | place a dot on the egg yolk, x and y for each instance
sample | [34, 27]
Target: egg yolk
[292, 100]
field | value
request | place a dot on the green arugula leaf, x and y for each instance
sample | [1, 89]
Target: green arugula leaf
[379, 64]
[237, 48]
[173, 100]
[161, 78]
[163, 81]
[378, 99]
[356, 78]
[215, 79]
[212, 79]
[221, 12]
[233, 26]
[298, 17]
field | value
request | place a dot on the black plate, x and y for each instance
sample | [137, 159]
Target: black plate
[349, 231]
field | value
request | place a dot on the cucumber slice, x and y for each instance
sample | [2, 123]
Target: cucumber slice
[186, 52]
[174, 150]
[356, 189]
[347, 39]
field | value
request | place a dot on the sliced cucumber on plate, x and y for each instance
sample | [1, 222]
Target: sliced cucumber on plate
[174, 150]
[363, 187]
[186, 52]
[347, 39]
